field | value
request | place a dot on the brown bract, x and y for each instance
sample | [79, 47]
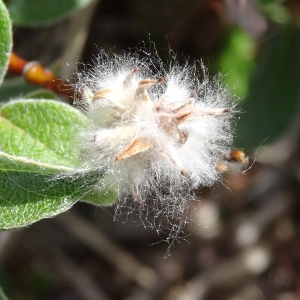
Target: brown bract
[167, 118]
[129, 118]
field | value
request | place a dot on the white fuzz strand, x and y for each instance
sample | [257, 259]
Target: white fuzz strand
[160, 136]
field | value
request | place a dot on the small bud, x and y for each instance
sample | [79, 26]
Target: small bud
[239, 156]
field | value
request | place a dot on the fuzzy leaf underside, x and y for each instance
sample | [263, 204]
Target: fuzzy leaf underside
[5, 39]
[35, 13]
[31, 191]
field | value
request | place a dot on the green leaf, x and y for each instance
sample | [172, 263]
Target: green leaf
[41, 94]
[266, 2]
[5, 39]
[101, 197]
[37, 12]
[273, 101]
[43, 130]
[237, 61]
[16, 87]
[2, 295]
[31, 191]
[274, 10]
[39, 175]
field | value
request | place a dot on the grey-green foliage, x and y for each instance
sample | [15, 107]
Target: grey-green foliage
[5, 40]
[40, 173]
[39, 12]
[274, 92]
[43, 130]
[31, 191]
[39, 168]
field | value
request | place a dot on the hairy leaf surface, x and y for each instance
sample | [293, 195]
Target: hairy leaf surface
[31, 191]
[5, 39]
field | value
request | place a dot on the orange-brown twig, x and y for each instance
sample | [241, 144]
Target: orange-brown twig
[35, 73]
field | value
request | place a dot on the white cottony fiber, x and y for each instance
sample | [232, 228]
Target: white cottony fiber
[160, 130]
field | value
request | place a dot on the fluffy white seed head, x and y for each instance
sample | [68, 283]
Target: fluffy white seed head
[160, 131]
